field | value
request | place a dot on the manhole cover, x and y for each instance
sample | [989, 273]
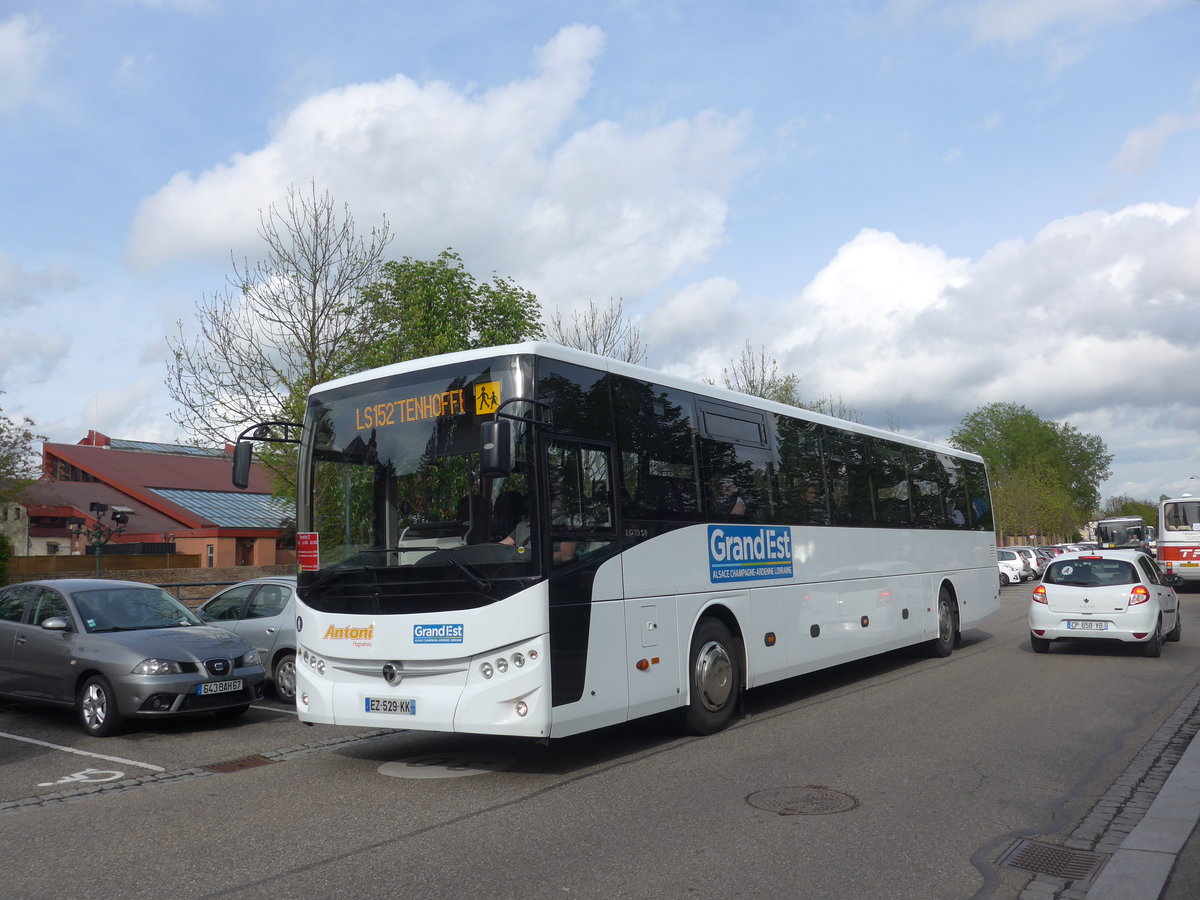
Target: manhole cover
[1050, 859]
[446, 765]
[810, 800]
[236, 765]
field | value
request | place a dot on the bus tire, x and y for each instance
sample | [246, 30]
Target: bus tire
[942, 645]
[714, 678]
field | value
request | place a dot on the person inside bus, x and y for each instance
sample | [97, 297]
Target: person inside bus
[518, 537]
[730, 501]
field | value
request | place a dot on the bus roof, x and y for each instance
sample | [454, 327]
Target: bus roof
[618, 367]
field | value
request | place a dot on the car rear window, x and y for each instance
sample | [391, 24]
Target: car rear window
[1091, 572]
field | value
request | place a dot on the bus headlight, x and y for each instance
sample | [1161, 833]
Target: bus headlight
[522, 708]
[485, 669]
[502, 665]
[313, 661]
[518, 659]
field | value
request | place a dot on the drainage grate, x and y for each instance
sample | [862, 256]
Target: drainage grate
[810, 800]
[1050, 859]
[236, 765]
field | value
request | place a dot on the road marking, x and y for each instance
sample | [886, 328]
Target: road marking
[290, 711]
[116, 759]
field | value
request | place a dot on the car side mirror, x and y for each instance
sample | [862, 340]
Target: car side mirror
[56, 623]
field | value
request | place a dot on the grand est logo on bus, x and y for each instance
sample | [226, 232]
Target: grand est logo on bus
[748, 553]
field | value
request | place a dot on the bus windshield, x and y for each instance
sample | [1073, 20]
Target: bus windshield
[1181, 515]
[394, 492]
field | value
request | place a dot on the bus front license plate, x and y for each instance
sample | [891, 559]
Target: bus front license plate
[388, 705]
[1087, 626]
[218, 687]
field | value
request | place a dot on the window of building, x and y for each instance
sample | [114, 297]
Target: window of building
[209, 555]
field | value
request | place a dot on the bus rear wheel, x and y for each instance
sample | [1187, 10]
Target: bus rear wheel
[714, 678]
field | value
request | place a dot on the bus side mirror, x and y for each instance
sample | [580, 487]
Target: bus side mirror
[242, 451]
[495, 448]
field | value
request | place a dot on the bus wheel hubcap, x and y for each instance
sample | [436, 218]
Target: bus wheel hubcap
[713, 676]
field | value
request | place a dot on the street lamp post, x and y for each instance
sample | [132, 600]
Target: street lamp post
[99, 533]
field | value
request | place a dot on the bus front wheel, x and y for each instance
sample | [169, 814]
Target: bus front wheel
[947, 635]
[714, 679]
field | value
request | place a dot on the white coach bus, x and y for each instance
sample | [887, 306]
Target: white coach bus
[1178, 547]
[534, 541]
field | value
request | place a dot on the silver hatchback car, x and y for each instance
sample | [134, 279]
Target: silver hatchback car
[263, 611]
[120, 649]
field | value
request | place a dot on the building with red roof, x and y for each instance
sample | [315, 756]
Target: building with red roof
[169, 494]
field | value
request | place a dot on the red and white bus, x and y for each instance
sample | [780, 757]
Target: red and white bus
[1179, 536]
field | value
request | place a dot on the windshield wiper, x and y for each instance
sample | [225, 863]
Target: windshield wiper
[334, 571]
[481, 583]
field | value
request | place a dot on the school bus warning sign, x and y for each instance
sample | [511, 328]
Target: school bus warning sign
[487, 397]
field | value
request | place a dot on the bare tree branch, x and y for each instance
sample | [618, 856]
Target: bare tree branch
[281, 325]
[604, 332]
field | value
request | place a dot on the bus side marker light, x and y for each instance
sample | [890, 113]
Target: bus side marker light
[642, 665]
[864, 621]
[769, 639]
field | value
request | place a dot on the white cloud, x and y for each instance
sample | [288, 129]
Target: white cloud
[1091, 321]
[26, 357]
[1010, 21]
[25, 45]
[1142, 147]
[20, 287]
[604, 210]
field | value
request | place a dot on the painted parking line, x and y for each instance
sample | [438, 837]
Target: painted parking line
[116, 759]
[286, 710]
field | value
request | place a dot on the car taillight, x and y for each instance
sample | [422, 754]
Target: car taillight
[1039, 594]
[1139, 594]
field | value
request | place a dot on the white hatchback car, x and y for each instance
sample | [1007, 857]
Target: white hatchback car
[1010, 573]
[1105, 594]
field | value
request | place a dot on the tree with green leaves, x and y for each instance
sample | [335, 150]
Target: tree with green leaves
[1029, 456]
[419, 308]
[1124, 505]
[18, 455]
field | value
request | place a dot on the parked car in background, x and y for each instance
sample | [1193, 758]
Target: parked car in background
[263, 611]
[1010, 573]
[1006, 554]
[117, 650]
[1031, 557]
[1105, 594]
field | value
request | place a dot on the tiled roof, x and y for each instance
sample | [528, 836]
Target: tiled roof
[228, 509]
[150, 477]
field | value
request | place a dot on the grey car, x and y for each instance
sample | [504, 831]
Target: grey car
[118, 650]
[263, 611]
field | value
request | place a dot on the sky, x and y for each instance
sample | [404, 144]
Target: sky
[918, 207]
